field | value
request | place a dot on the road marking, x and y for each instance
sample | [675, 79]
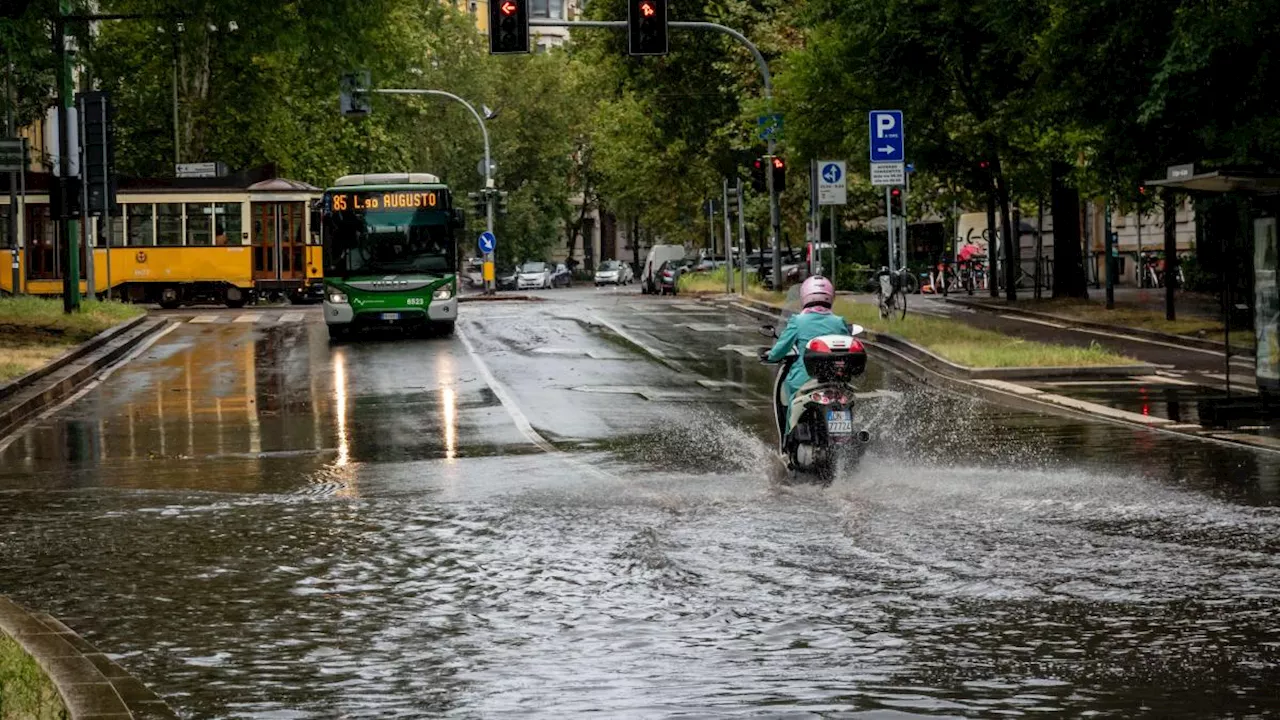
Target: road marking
[204, 319]
[1090, 383]
[716, 384]
[249, 318]
[657, 354]
[1184, 426]
[1009, 387]
[1164, 380]
[743, 350]
[291, 317]
[1034, 320]
[504, 396]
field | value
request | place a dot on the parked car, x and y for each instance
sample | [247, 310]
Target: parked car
[472, 273]
[669, 275]
[507, 277]
[534, 275]
[614, 272]
[658, 254]
[561, 276]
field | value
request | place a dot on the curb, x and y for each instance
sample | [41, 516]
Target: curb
[946, 367]
[17, 384]
[1119, 330]
[54, 386]
[499, 298]
[1022, 397]
[90, 684]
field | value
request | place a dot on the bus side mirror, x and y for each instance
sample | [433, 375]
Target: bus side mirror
[459, 219]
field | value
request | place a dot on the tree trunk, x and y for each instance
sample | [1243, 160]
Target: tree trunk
[634, 238]
[1068, 260]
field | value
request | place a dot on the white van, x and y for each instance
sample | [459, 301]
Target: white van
[658, 254]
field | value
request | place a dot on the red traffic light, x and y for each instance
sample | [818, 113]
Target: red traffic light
[508, 7]
[779, 163]
[1142, 189]
[647, 9]
[984, 164]
[895, 192]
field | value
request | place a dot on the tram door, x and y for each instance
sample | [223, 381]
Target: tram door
[279, 243]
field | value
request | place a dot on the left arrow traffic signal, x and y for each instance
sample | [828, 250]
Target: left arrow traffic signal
[508, 27]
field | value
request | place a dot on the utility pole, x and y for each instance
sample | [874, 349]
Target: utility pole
[742, 240]
[69, 226]
[1109, 248]
[13, 178]
[728, 239]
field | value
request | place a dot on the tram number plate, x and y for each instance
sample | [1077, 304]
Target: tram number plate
[390, 316]
[840, 422]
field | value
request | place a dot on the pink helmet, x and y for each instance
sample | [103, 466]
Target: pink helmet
[817, 290]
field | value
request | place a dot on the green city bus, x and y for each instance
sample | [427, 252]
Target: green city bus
[390, 253]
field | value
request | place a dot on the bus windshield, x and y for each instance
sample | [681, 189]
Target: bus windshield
[380, 242]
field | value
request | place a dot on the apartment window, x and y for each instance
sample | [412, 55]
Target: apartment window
[169, 224]
[141, 231]
[548, 9]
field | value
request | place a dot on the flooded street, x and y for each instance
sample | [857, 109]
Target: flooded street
[564, 511]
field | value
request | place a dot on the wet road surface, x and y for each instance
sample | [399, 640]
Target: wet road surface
[564, 511]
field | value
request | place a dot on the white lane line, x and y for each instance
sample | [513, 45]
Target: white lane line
[657, 354]
[204, 319]
[1163, 379]
[292, 317]
[249, 318]
[142, 347]
[1008, 387]
[504, 396]
[1034, 320]
[1105, 411]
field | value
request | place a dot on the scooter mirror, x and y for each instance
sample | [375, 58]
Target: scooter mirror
[856, 329]
[768, 331]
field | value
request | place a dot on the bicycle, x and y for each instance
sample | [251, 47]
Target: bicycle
[890, 294]
[973, 274]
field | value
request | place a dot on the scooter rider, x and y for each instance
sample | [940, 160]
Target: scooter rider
[815, 320]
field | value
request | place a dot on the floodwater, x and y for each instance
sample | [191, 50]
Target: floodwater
[365, 530]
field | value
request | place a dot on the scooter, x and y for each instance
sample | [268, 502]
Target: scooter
[821, 433]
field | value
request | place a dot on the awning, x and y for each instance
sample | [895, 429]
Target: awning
[1223, 182]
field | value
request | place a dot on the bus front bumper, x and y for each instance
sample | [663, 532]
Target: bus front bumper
[437, 311]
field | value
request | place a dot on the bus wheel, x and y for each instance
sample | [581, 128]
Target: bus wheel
[235, 297]
[170, 298]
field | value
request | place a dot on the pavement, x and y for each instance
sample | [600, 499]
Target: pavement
[565, 510]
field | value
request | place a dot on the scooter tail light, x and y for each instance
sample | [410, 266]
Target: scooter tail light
[818, 345]
[856, 346]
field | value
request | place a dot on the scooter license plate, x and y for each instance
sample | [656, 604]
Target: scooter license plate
[840, 422]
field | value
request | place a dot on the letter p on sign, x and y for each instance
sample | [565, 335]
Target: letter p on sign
[884, 123]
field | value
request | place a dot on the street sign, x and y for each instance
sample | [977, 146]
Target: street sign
[831, 182]
[1178, 172]
[487, 242]
[770, 126]
[888, 174]
[887, 145]
[200, 170]
[12, 157]
[493, 168]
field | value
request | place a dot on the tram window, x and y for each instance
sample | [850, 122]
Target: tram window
[117, 231]
[168, 223]
[42, 245]
[199, 224]
[227, 223]
[141, 231]
[4, 223]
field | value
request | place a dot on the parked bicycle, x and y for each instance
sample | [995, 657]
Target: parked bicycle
[891, 294]
[973, 274]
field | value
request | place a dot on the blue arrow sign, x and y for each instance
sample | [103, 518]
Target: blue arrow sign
[831, 173]
[487, 242]
[887, 144]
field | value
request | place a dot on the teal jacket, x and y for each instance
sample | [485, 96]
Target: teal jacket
[800, 329]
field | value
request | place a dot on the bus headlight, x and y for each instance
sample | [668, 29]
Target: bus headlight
[337, 298]
[443, 293]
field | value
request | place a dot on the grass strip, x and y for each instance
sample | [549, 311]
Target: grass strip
[35, 330]
[26, 693]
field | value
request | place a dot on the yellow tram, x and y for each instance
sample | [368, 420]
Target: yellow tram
[179, 241]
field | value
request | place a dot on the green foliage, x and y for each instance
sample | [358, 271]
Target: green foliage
[26, 693]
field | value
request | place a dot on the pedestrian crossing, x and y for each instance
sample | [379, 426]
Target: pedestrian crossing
[253, 318]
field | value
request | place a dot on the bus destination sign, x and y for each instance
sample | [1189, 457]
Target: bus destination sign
[384, 200]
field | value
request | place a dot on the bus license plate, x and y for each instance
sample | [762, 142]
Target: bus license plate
[840, 422]
[390, 316]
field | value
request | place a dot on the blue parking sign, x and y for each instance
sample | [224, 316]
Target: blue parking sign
[887, 142]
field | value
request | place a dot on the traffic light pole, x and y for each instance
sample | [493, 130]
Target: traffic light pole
[775, 221]
[489, 193]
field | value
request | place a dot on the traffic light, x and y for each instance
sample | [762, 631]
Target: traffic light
[99, 150]
[779, 174]
[647, 27]
[353, 94]
[478, 204]
[502, 203]
[895, 200]
[508, 27]
[758, 182]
